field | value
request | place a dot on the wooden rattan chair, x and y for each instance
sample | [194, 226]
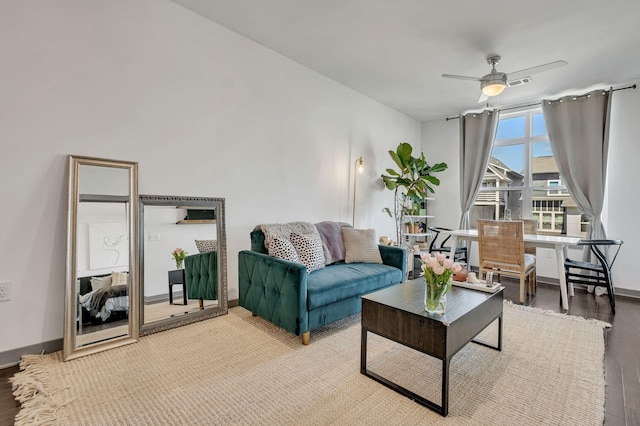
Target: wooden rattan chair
[501, 250]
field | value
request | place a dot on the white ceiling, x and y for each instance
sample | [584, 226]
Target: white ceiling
[395, 51]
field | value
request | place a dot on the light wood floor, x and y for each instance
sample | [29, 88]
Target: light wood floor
[622, 356]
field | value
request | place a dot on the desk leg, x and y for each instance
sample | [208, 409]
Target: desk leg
[454, 244]
[561, 277]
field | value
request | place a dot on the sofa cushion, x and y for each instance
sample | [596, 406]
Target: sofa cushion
[341, 281]
[361, 246]
[309, 249]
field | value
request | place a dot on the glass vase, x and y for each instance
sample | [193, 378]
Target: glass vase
[178, 263]
[435, 297]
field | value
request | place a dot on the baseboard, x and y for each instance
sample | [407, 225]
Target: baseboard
[12, 357]
[233, 303]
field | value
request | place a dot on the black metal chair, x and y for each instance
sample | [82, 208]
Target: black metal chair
[435, 247]
[595, 274]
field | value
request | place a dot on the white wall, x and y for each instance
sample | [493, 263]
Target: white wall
[203, 110]
[440, 139]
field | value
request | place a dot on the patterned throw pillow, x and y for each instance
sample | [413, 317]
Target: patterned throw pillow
[283, 249]
[309, 248]
[205, 246]
[118, 278]
[361, 246]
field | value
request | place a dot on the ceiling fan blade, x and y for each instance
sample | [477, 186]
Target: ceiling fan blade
[461, 77]
[539, 68]
[483, 98]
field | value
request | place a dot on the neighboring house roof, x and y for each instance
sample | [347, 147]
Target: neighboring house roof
[546, 164]
[569, 202]
[497, 168]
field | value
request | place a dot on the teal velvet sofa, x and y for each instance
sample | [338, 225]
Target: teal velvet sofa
[201, 276]
[283, 293]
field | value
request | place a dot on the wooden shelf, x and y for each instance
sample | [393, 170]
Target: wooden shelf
[194, 221]
[419, 216]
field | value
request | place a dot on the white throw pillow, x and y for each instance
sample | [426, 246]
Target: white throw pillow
[309, 249]
[361, 246]
[118, 278]
[100, 282]
[283, 249]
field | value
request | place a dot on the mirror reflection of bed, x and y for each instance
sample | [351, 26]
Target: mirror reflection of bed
[167, 225]
[103, 266]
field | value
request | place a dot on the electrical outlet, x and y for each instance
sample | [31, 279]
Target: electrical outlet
[5, 291]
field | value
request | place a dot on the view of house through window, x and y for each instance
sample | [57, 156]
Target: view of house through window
[522, 179]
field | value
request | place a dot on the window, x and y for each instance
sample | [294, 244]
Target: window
[554, 183]
[522, 179]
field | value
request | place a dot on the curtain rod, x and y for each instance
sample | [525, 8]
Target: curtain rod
[633, 86]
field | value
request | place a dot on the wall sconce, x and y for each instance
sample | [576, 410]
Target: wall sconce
[359, 168]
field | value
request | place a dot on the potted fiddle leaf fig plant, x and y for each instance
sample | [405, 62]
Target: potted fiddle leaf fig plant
[410, 182]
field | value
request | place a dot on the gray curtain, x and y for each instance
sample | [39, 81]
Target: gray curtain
[578, 128]
[477, 133]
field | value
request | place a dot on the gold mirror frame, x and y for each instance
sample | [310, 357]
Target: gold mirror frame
[218, 204]
[71, 348]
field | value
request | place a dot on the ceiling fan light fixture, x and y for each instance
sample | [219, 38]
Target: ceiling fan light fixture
[493, 84]
[493, 89]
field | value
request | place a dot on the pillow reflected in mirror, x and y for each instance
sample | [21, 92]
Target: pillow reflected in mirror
[118, 278]
[100, 282]
[205, 246]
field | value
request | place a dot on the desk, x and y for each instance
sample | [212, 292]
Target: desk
[557, 242]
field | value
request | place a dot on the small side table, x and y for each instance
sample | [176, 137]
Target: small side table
[176, 277]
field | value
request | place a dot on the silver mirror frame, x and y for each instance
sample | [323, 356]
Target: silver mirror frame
[70, 349]
[211, 312]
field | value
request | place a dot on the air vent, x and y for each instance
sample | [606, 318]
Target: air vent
[519, 81]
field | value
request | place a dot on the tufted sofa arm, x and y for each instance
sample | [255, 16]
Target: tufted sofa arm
[201, 275]
[274, 289]
[394, 256]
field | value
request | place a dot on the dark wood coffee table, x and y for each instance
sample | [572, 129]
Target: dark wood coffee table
[397, 313]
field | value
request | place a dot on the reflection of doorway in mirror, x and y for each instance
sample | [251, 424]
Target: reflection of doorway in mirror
[108, 245]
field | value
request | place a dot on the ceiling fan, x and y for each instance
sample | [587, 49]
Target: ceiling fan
[495, 82]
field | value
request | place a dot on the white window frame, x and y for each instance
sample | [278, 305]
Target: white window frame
[527, 188]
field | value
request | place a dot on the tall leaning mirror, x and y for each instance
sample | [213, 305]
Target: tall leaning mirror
[101, 299]
[183, 273]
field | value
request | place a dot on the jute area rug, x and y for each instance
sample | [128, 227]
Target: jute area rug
[240, 369]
